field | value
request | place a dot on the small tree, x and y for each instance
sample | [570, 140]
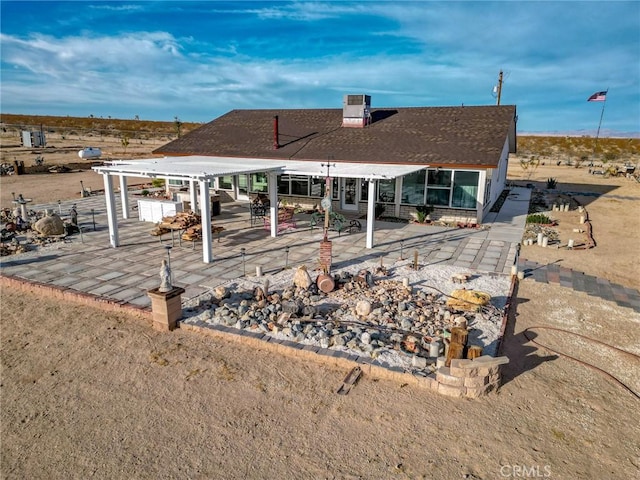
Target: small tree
[125, 142]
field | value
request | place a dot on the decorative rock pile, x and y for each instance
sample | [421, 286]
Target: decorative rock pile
[363, 315]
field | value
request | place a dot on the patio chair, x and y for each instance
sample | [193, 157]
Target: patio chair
[285, 220]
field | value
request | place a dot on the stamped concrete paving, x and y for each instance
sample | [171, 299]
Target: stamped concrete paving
[87, 262]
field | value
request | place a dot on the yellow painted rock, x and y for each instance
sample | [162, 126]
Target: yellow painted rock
[468, 300]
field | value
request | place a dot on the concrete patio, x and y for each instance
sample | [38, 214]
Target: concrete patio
[87, 263]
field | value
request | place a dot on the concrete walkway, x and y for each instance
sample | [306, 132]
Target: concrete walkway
[592, 286]
[87, 262]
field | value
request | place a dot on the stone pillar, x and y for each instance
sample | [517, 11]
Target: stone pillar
[166, 308]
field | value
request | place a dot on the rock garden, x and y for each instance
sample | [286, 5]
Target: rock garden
[400, 316]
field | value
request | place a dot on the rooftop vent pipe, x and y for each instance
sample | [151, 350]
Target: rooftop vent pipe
[276, 135]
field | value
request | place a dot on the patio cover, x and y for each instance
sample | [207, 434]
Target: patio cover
[200, 169]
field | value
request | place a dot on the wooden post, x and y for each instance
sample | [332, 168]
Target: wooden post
[474, 351]
[459, 335]
[455, 350]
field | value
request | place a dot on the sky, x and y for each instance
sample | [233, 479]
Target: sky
[198, 60]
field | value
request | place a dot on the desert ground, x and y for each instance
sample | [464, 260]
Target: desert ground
[87, 393]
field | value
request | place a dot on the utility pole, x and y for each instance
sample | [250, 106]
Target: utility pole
[499, 88]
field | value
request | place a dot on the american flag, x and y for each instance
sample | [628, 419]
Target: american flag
[598, 97]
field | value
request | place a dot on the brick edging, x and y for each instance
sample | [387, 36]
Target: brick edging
[81, 298]
[470, 380]
[324, 356]
[509, 311]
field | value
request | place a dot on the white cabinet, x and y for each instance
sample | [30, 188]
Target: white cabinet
[154, 210]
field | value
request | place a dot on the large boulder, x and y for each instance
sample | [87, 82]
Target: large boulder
[49, 226]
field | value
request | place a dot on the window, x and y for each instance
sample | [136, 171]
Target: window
[306, 186]
[243, 184]
[364, 190]
[457, 189]
[387, 190]
[438, 197]
[178, 183]
[317, 187]
[299, 185]
[225, 183]
[413, 188]
[293, 185]
[438, 187]
[465, 189]
[440, 178]
[283, 185]
[259, 183]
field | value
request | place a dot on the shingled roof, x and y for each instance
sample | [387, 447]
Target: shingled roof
[437, 136]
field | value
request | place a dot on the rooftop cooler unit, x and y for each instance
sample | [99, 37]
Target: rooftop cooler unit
[356, 111]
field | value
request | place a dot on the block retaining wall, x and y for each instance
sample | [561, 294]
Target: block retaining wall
[67, 294]
[464, 378]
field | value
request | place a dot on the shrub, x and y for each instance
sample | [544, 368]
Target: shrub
[551, 183]
[157, 182]
[144, 193]
[423, 211]
[538, 218]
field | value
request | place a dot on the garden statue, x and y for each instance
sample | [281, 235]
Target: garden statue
[165, 278]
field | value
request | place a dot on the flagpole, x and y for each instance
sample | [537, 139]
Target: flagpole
[595, 148]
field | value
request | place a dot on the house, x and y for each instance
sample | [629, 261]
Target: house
[452, 158]
[458, 155]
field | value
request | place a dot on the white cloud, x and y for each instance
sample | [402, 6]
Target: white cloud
[456, 52]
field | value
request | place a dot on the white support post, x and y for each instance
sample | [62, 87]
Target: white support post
[193, 195]
[482, 184]
[371, 212]
[124, 197]
[205, 213]
[111, 210]
[272, 183]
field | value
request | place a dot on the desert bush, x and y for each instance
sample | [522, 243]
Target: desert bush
[422, 211]
[157, 182]
[538, 218]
